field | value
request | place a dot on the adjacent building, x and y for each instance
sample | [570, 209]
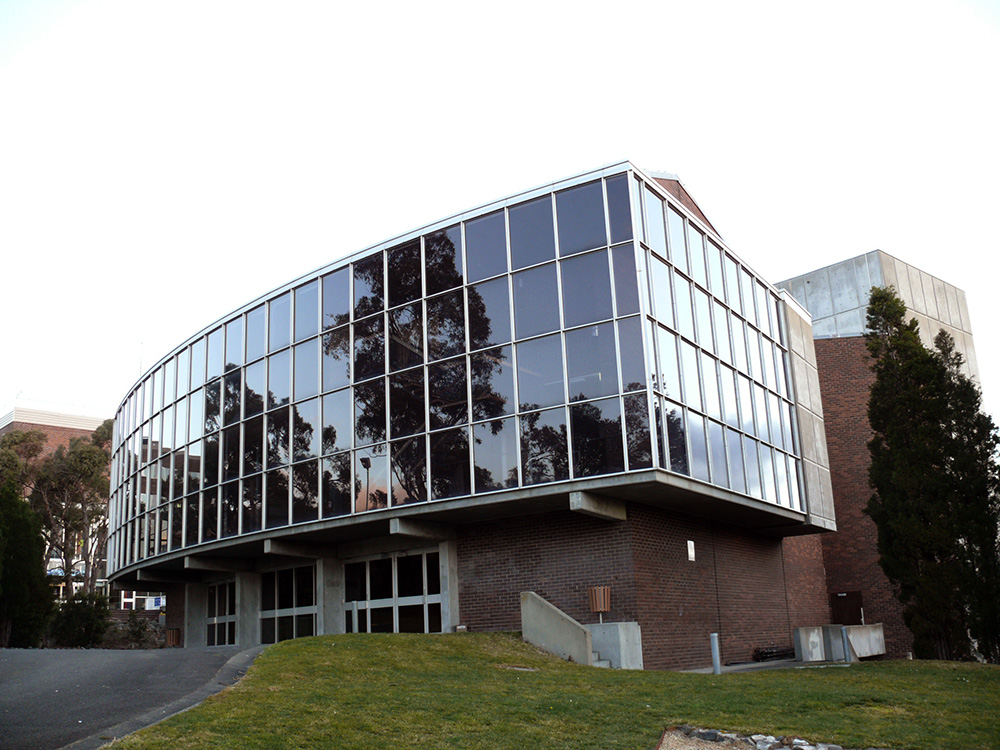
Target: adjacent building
[573, 386]
[837, 297]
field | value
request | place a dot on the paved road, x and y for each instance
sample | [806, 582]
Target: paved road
[54, 698]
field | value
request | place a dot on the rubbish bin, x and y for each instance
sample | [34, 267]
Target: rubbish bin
[173, 637]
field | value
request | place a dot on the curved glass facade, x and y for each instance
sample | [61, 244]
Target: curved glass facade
[591, 328]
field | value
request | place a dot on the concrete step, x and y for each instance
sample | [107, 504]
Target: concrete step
[597, 661]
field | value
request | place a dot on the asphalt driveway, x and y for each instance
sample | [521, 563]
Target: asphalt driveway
[81, 699]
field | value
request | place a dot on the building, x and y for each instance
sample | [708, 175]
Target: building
[59, 429]
[837, 296]
[577, 385]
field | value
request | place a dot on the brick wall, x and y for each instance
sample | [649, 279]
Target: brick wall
[805, 576]
[851, 554]
[175, 606]
[55, 436]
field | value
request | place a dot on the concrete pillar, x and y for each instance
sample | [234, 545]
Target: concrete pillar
[248, 609]
[195, 614]
[448, 556]
[329, 596]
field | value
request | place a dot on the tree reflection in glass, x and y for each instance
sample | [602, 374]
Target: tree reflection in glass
[544, 456]
[495, 454]
[443, 260]
[337, 485]
[597, 437]
[305, 492]
[409, 471]
[450, 463]
[371, 478]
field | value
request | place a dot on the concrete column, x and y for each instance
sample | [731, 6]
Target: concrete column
[195, 614]
[329, 596]
[448, 554]
[248, 609]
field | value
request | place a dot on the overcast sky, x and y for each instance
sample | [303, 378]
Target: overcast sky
[163, 163]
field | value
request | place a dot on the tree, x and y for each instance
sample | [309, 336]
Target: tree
[25, 595]
[936, 501]
[70, 494]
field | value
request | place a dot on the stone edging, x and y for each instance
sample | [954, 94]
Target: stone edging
[756, 741]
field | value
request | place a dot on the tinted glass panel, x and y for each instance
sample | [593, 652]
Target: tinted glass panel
[279, 384]
[580, 213]
[369, 348]
[306, 430]
[448, 394]
[336, 298]
[717, 450]
[276, 497]
[306, 369]
[536, 301]
[531, 237]
[670, 381]
[685, 318]
[715, 269]
[626, 285]
[279, 322]
[409, 471]
[213, 412]
[406, 337]
[495, 451]
[446, 325]
[486, 246]
[544, 446]
[410, 576]
[253, 445]
[489, 314]
[209, 515]
[632, 361]
[371, 478]
[253, 503]
[368, 289]
[450, 464]
[234, 344]
[592, 362]
[336, 358]
[337, 490]
[307, 310]
[735, 453]
[597, 437]
[305, 492]
[752, 466]
[231, 453]
[254, 388]
[732, 284]
[443, 259]
[256, 334]
[229, 516]
[586, 286]
[676, 438]
[540, 372]
[689, 367]
[710, 387]
[640, 451]
[277, 437]
[619, 210]
[404, 273]
[675, 224]
[696, 252]
[699, 451]
[655, 234]
[406, 403]
[369, 412]
[337, 420]
[492, 375]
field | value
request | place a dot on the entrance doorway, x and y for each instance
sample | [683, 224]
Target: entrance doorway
[395, 593]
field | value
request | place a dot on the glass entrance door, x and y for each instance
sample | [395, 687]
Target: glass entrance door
[397, 593]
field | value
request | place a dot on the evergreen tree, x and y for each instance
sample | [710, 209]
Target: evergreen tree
[25, 595]
[936, 501]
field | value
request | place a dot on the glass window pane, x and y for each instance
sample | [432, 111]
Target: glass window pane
[722, 332]
[306, 369]
[368, 287]
[256, 334]
[406, 403]
[747, 285]
[767, 473]
[730, 410]
[685, 316]
[760, 412]
[734, 451]
[696, 253]
[409, 471]
[369, 348]
[597, 437]
[253, 445]
[486, 246]
[450, 464]
[540, 372]
[337, 411]
[305, 492]
[752, 467]
[410, 575]
[746, 405]
[663, 299]
[253, 503]
[277, 437]
[336, 358]
[447, 388]
[670, 379]
[213, 412]
[492, 374]
[717, 448]
[739, 345]
[678, 255]
[446, 325]
[580, 215]
[231, 453]
[640, 450]
[689, 368]
[764, 308]
[703, 308]
[710, 386]
[276, 497]
[632, 361]
[183, 372]
[406, 337]
[655, 235]
[544, 446]
[495, 454]
[305, 430]
[197, 365]
[337, 489]
[279, 322]
[732, 284]
[371, 477]
[307, 310]
[369, 412]
[626, 280]
[234, 344]
[405, 269]
[714, 253]
[699, 451]
[229, 510]
[336, 298]
[586, 286]
[443, 259]
[536, 301]
[531, 237]
[592, 362]
[254, 388]
[619, 210]
[278, 380]
[215, 357]
[489, 314]
[753, 349]
[676, 438]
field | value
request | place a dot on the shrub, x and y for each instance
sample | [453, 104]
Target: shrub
[81, 621]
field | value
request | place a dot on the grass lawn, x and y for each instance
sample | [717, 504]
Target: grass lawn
[493, 691]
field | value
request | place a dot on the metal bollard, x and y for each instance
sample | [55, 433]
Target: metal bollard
[716, 660]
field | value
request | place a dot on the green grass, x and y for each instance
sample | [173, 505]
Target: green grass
[463, 691]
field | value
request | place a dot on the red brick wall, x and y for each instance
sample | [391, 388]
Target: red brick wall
[55, 436]
[851, 554]
[740, 585]
[175, 606]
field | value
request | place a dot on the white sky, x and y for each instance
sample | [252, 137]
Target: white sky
[163, 163]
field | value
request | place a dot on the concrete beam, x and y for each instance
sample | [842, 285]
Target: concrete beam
[151, 576]
[597, 506]
[219, 564]
[298, 549]
[421, 529]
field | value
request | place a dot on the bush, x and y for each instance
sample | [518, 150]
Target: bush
[81, 621]
[137, 628]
